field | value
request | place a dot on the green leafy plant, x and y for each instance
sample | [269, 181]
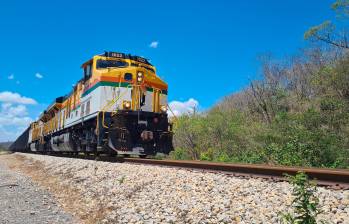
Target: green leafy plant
[305, 204]
[160, 156]
[122, 179]
[179, 154]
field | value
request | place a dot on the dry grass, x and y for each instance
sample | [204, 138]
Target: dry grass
[4, 152]
[70, 199]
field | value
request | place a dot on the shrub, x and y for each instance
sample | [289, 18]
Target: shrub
[306, 204]
[179, 154]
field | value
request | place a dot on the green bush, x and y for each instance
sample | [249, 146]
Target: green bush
[179, 154]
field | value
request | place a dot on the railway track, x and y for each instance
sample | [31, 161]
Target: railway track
[333, 178]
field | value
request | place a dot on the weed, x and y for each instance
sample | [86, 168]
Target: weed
[306, 204]
[122, 179]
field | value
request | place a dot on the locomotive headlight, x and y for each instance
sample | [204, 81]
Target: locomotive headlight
[140, 76]
[127, 105]
[163, 109]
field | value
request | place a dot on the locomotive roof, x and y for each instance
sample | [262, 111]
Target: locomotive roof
[51, 106]
[123, 56]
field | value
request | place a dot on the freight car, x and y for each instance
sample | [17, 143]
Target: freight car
[118, 107]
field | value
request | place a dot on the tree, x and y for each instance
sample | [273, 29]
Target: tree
[327, 32]
[189, 134]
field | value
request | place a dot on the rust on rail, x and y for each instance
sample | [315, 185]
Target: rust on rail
[336, 178]
[339, 176]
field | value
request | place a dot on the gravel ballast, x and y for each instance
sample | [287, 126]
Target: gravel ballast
[22, 201]
[130, 193]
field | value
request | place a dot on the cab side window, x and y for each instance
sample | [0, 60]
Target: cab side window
[87, 71]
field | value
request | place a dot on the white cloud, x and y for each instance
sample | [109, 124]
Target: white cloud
[186, 107]
[39, 76]
[5, 106]
[10, 121]
[13, 120]
[19, 110]
[12, 76]
[154, 44]
[13, 114]
[9, 97]
[14, 117]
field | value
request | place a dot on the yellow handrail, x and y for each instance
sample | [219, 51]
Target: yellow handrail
[172, 112]
[106, 107]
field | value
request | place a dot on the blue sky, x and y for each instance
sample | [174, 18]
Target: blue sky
[205, 50]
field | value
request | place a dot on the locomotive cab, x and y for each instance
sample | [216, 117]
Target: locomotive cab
[133, 111]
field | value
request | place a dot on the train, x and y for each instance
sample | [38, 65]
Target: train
[119, 106]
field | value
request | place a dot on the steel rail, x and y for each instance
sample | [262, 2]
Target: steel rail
[334, 178]
[324, 176]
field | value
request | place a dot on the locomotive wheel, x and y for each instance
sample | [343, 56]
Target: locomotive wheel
[112, 152]
[96, 153]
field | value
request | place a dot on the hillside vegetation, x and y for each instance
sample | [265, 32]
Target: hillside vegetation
[295, 113]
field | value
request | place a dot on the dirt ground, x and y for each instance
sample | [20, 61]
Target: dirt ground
[69, 198]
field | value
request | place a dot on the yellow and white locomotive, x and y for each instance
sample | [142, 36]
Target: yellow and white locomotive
[119, 106]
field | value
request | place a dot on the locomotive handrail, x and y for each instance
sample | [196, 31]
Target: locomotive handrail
[107, 106]
[156, 108]
[172, 112]
[129, 85]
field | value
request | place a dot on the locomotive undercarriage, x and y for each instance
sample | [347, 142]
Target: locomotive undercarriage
[126, 133]
[138, 132]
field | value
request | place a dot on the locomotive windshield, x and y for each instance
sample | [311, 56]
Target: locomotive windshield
[111, 64]
[140, 65]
